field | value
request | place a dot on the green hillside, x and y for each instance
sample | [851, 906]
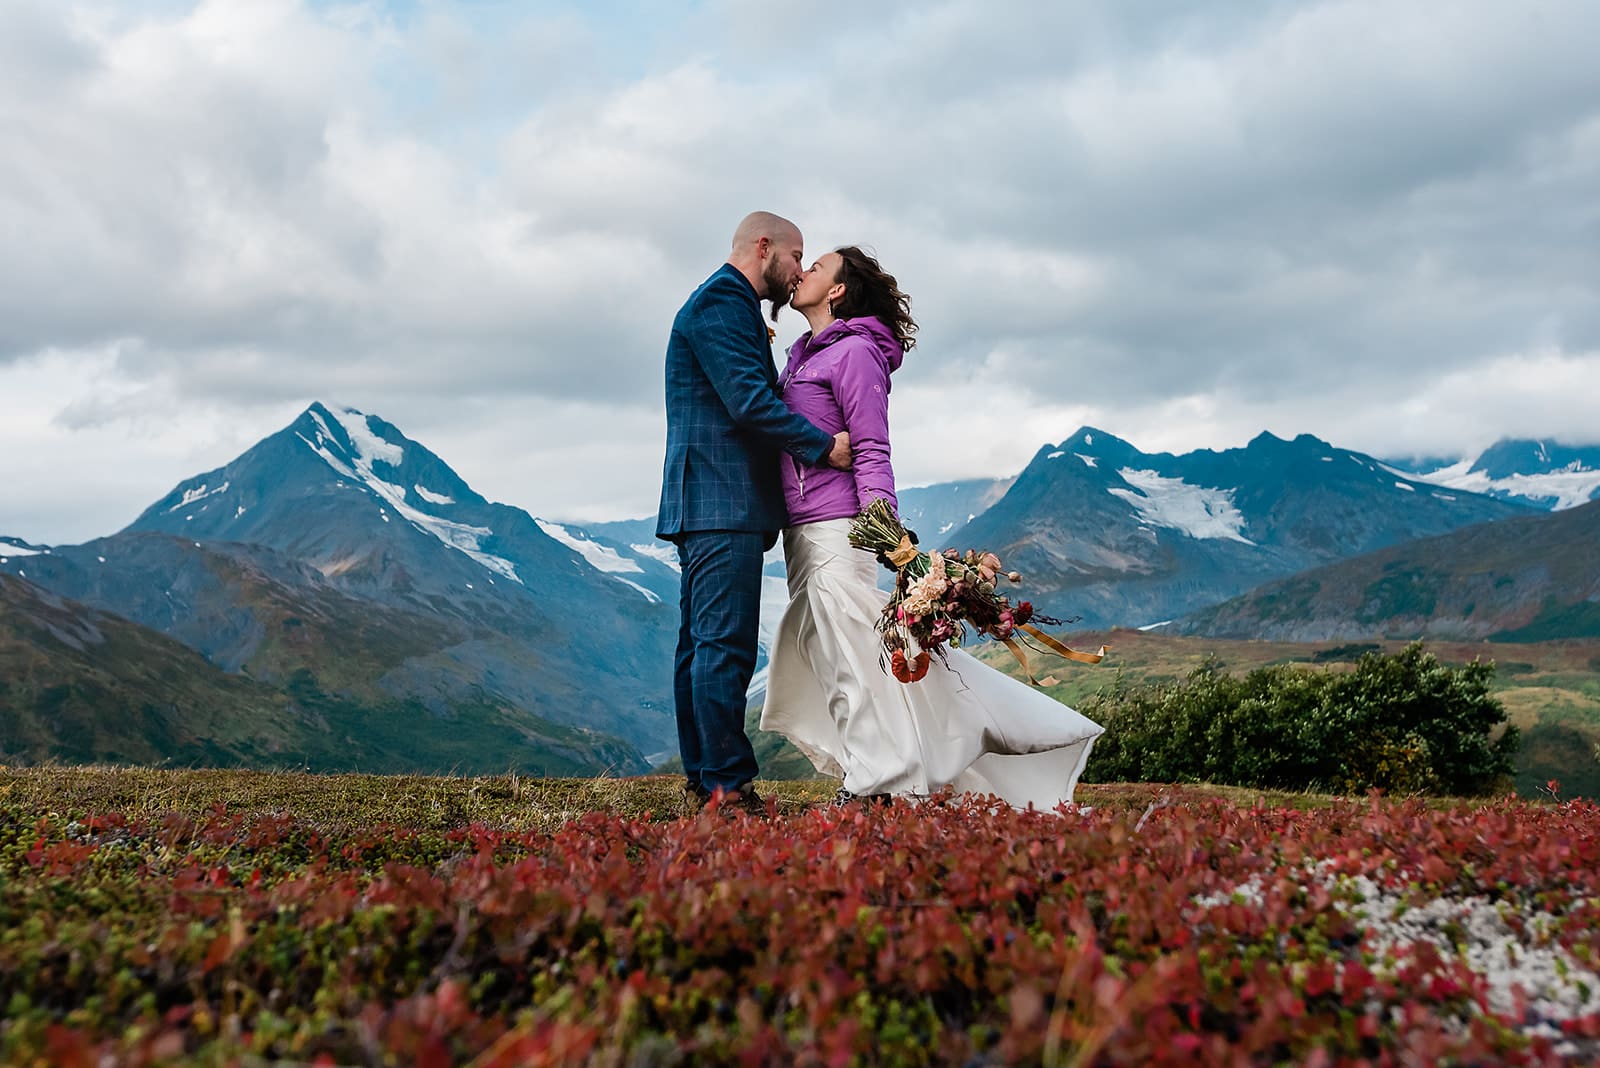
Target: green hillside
[1525, 579]
[82, 686]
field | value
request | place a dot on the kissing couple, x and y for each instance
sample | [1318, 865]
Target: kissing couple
[750, 454]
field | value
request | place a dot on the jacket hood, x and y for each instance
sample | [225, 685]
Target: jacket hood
[869, 327]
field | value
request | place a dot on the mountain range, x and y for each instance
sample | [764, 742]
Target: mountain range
[1114, 536]
[337, 597]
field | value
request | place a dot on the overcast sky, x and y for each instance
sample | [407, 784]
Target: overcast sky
[1185, 224]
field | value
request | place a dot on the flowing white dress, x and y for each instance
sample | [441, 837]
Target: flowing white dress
[967, 725]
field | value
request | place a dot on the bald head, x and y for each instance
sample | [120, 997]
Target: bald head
[768, 250]
[759, 224]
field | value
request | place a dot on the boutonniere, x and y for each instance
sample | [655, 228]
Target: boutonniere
[772, 335]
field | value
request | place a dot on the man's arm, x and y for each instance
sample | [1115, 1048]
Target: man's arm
[737, 369]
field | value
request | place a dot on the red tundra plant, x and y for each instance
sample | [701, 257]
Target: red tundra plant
[1188, 931]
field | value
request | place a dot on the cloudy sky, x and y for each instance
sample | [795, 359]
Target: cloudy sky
[1184, 224]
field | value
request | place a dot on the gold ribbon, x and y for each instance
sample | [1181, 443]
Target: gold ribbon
[1022, 658]
[1055, 647]
[1061, 650]
[904, 553]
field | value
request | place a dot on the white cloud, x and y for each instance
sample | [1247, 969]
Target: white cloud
[1181, 224]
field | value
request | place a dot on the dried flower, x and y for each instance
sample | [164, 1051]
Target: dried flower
[935, 594]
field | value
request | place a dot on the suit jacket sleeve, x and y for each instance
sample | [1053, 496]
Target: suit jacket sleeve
[861, 387]
[738, 370]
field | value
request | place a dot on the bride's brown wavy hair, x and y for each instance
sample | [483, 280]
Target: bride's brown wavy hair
[871, 290]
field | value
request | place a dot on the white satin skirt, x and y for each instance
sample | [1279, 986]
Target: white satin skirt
[965, 725]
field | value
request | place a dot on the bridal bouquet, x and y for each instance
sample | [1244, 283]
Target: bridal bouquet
[936, 594]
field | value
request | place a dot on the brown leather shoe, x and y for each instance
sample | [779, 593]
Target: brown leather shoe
[744, 800]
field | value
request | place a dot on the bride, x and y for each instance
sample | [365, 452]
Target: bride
[965, 724]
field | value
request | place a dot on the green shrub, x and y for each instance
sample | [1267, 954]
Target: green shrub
[1404, 723]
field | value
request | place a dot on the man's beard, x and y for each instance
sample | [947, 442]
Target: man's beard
[777, 289]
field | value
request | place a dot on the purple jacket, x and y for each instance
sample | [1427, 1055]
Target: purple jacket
[839, 380]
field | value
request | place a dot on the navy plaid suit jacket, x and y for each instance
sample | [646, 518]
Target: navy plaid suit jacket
[725, 420]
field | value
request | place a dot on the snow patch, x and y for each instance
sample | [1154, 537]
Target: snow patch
[1444, 496]
[660, 550]
[11, 549]
[1327, 459]
[432, 497]
[1408, 488]
[1198, 511]
[1088, 439]
[1089, 460]
[199, 493]
[649, 596]
[1569, 487]
[327, 457]
[1055, 454]
[1157, 626]
[369, 446]
[946, 528]
[600, 557]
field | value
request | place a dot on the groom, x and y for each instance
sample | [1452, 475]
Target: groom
[721, 500]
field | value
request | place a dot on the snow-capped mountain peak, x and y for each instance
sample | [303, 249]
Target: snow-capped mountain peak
[1543, 473]
[365, 448]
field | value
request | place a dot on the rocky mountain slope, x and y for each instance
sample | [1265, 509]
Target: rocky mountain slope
[1529, 578]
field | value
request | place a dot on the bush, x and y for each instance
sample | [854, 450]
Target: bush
[1403, 723]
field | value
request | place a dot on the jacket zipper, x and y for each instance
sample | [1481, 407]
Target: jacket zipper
[789, 375]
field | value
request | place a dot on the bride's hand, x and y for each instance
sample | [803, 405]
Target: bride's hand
[840, 456]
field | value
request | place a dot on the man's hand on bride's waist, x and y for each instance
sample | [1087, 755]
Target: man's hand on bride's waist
[840, 455]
